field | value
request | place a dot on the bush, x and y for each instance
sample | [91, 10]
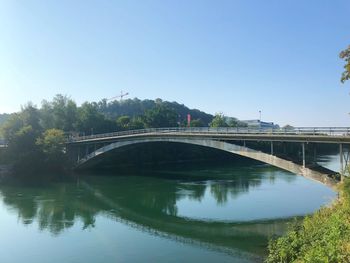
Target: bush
[322, 237]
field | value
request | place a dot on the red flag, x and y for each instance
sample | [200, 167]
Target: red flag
[188, 120]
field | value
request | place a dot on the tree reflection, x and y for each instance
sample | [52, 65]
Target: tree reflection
[58, 207]
[147, 202]
[54, 208]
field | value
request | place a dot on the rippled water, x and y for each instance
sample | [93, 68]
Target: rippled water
[192, 214]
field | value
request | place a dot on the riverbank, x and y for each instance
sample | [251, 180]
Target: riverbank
[321, 237]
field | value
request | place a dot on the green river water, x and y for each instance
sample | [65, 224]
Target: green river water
[217, 213]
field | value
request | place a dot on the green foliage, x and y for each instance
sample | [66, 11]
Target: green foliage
[345, 54]
[322, 237]
[52, 142]
[31, 117]
[60, 113]
[91, 121]
[136, 108]
[52, 145]
[35, 136]
[197, 123]
[4, 117]
[23, 152]
[11, 126]
[234, 122]
[29, 150]
[123, 122]
[160, 117]
[127, 123]
[136, 123]
[218, 121]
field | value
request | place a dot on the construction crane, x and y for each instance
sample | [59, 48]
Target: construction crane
[121, 96]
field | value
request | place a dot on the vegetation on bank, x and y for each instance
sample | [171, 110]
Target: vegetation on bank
[35, 136]
[321, 237]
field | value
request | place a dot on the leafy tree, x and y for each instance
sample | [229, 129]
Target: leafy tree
[160, 117]
[345, 54]
[123, 122]
[60, 113]
[31, 117]
[27, 119]
[52, 144]
[136, 123]
[24, 153]
[197, 123]
[4, 117]
[234, 122]
[90, 120]
[11, 126]
[218, 121]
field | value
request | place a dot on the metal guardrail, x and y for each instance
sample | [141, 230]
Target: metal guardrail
[3, 143]
[319, 131]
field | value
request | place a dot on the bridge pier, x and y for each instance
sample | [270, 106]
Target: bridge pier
[271, 147]
[344, 162]
[303, 152]
[315, 154]
[341, 161]
[78, 153]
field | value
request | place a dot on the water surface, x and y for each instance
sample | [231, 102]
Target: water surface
[192, 214]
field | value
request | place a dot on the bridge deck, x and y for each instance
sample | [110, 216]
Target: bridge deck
[316, 135]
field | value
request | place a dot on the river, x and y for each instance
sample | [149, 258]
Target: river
[198, 213]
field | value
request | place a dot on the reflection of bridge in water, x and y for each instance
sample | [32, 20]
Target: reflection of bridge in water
[232, 140]
[57, 209]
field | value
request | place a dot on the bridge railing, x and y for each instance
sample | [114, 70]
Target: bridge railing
[3, 143]
[316, 131]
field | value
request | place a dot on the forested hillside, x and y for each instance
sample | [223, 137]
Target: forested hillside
[136, 107]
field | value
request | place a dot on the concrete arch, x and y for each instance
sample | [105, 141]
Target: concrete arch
[224, 146]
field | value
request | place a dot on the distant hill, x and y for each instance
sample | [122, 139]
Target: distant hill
[137, 107]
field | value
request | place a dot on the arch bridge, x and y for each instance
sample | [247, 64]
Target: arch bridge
[232, 140]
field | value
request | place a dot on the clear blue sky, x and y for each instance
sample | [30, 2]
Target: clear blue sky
[234, 56]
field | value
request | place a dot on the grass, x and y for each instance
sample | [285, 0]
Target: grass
[321, 237]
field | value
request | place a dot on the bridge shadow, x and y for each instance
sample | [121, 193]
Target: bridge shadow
[155, 155]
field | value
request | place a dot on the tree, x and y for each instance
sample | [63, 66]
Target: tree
[136, 123]
[234, 122]
[60, 113]
[288, 127]
[31, 117]
[11, 126]
[197, 123]
[24, 153]
[345, 54]
[160, 117]
[52, 144]
[90, 120]
[218, 121]
[123, 122]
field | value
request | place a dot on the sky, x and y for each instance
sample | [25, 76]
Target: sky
[237, 57]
